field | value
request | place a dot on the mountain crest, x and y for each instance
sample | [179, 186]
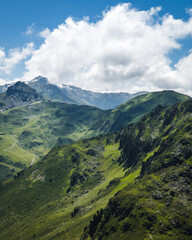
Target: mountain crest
[17, 95]
[40, 79]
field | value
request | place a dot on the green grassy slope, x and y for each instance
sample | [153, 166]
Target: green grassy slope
[158, 205]
[57, 197]
[52, 197]
[28, 133]
[134, 109]
[13, 157]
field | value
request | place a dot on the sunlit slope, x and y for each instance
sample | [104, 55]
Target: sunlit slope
[57, 197]
[158, 205]
[13, 156]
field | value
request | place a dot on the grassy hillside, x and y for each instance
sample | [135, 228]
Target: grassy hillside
[31, 131]
[70, 183]
[147, 166]
[134, 109]
[28, 133]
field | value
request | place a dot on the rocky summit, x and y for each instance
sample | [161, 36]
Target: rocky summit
[17, 95]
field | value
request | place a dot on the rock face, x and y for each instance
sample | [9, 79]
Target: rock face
[18, 95]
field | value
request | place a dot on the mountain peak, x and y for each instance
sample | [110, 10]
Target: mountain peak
[21, 88]
[18, 86]
[40, 79]
[19, 94]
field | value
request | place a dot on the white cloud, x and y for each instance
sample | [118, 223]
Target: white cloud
[2, 81]
[45, 33]
[125, 50]
[15, 56]
[189, 11]
[30, 30]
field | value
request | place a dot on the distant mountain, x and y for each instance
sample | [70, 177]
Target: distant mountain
[49, 91]
[134, 109]
[131, 184]
[3, 88]
[72, 94]
[100, 100]
[17, 95]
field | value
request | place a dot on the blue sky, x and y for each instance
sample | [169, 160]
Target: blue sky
[22, 21]
[17, 15]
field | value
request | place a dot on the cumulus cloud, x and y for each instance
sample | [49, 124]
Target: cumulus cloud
[15, 56]
[125, 50]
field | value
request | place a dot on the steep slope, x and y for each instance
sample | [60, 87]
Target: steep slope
[18, 95]
[57, 197]
[134, 109]
[28, 133]
[158, 205]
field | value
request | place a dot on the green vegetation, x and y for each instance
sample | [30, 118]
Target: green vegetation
[134, 109]
[158, 205]
[63, 189]
[29, 132]
[134, 183]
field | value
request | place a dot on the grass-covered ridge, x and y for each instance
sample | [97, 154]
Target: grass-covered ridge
[134, 109]
[146, 165]
[158, 205]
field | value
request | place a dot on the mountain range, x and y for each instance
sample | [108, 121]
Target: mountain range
[72, 171]
[71, 94]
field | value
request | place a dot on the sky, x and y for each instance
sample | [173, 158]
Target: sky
[98, 45]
